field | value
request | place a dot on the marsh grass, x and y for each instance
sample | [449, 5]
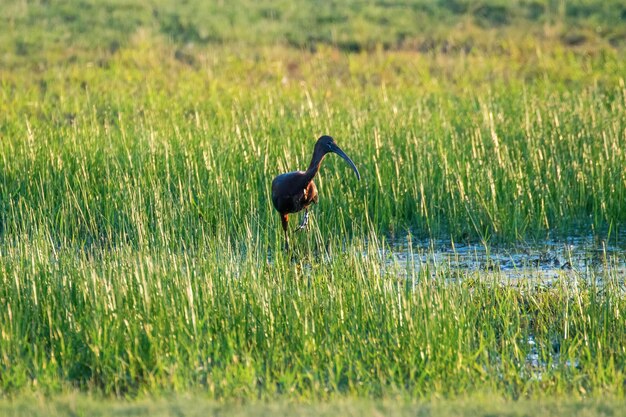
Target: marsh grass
[140, 252]
[128, 322]
[92, 154]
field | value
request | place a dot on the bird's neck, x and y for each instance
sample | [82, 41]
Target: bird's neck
[314, 166]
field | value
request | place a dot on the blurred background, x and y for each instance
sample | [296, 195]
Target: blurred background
[351, 26]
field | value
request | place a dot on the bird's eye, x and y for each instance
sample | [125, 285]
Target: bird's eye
[329, 147]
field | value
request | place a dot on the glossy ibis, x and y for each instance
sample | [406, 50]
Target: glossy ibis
[294, 191]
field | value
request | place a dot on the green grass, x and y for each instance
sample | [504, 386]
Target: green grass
[140, 254]
[76, 405]
[235, 325]
[468, 146]
[35, 27]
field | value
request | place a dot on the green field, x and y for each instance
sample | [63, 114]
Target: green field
[483, 406]
[140, 255]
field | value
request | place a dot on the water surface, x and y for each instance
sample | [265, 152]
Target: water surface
[576, 257]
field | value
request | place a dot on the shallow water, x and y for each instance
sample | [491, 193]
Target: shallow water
[571, 259]
[576, 257]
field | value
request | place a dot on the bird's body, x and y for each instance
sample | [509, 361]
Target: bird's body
[304, 193]
[296, 191]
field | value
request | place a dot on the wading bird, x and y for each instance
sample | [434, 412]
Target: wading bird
[294, 191]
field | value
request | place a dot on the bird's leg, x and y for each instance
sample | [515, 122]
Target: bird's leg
[305, 220]
[284, 221]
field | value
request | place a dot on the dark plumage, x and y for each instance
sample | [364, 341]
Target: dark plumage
[295, 191]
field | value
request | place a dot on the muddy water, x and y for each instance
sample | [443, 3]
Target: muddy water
[580, 257]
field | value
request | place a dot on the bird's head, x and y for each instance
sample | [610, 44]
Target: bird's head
[326, 144]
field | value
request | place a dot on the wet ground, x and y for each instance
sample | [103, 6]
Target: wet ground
[577, 258]
[580, 257]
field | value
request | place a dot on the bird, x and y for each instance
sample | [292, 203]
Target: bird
[296, 191]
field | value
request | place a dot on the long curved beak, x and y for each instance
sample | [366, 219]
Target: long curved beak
[336, 149]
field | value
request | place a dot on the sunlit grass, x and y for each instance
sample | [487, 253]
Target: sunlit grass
[127, 321]
[111, 154]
